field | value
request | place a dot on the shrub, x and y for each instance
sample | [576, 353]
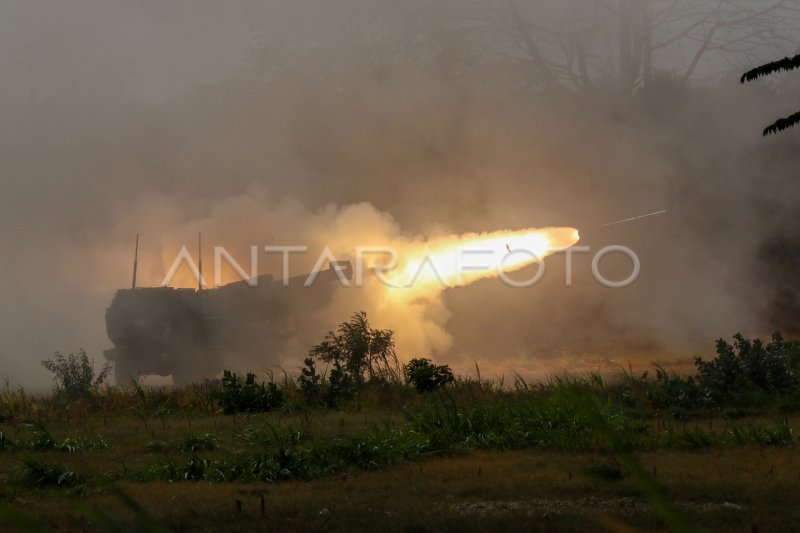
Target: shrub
[74, 375]
[42, 439]
[670, 390]
[746, 371]
[342, 386]
[793, 351]
[310, 382]
[249, 396]
[425, 376]
[744, 374]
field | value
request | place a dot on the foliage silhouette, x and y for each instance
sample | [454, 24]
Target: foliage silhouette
[358, 355]
[425, 376]
[783, 65]
[249, 396]
[74, 375]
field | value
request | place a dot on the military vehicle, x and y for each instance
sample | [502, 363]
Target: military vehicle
[193, 334]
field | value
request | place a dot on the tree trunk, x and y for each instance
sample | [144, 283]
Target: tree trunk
[647, 45]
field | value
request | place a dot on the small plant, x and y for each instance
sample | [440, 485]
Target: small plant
[77, 444]
[42, 439]
[425, 376]
[267, 435]
[696, 438]
[74, 375]
[774, 434]
[310, 382]
[41, 475]
[199, 443]
[156, 446]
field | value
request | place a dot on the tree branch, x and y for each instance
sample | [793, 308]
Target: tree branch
[783, 65]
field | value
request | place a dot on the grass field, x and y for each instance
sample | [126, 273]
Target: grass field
[475, 457]
[475, 491]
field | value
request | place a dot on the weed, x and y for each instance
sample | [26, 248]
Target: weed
[40, 474]
[696, 438]
[199, 443]
[776, 434]
[42, 439]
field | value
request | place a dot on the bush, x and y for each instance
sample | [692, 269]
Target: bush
[746, 371]
[310, 382]
[74, 375]
[793, 351]
[746, 374]
[670, 390]
[249, 397]
[339, 388]
[424, 376]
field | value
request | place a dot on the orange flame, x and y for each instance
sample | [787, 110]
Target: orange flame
[460, 260]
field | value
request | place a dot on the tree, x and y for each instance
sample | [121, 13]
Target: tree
[339, 44]
[579, 45]
[358, 352]
[784, 65]
[624, 44]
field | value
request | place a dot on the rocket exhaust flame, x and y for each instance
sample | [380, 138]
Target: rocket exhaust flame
[454, 261]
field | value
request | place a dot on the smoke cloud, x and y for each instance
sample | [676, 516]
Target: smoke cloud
[353, 123]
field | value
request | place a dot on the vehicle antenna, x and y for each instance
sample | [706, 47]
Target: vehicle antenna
[135, 262]
[200, 262]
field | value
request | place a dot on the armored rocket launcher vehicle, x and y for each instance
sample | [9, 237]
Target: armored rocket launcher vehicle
[192, 334]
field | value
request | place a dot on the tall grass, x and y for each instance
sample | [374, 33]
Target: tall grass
[566, 415]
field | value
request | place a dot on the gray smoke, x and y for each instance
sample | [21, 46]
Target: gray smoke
[267, 122]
